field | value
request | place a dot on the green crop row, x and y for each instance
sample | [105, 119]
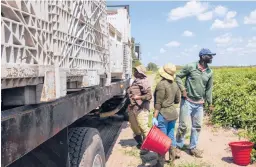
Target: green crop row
[234, 98]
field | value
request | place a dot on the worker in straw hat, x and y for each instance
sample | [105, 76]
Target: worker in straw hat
[140, 95]
[167, 94]
[138, 110]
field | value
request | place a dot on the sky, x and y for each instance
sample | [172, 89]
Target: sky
[176, 31]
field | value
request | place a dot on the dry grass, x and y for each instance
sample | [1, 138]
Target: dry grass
[193, 164]
[134, 152]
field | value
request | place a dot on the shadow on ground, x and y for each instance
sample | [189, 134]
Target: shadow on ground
[128, 143]
[228, 160]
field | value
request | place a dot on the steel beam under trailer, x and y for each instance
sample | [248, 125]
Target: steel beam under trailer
[24, 128]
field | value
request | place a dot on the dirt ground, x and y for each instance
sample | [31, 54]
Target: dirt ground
[213, 140]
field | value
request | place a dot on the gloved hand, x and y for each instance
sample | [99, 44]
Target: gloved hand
[155, 122]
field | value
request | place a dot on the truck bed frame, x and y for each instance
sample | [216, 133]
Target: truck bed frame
[25, 128]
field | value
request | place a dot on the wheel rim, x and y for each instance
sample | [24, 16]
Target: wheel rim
[97, 162]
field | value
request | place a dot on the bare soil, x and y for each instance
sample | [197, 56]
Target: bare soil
[213, 140]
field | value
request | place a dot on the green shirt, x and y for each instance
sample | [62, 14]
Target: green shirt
[198, 83]
[166, 95]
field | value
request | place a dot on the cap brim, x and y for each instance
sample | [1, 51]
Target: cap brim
[166, 75]
[212, 54]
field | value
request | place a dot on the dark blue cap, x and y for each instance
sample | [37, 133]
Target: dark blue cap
[205, 51]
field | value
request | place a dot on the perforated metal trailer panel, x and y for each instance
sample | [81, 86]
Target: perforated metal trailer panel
[38, 36]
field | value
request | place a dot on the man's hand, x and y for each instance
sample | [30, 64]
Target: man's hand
[136, 97]
[211, 108]
[184, 94]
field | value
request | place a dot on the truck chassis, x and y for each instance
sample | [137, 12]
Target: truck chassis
[50, 132]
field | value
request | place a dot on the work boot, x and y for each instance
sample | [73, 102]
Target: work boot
[174, 153]
[138, 139]
[177, 153]
[195, 152]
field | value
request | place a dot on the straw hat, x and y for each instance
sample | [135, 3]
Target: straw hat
[141, 69]
[168, 71]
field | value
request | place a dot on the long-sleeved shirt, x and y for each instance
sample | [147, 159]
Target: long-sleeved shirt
[140, 87]
[166, 95]
[198, 82]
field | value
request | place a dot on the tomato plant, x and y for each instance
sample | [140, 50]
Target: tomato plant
[234, 98]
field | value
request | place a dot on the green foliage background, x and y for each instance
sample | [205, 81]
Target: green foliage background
[234, 98]
[152, 67]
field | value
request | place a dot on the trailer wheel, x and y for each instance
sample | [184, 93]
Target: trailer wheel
[85, 148]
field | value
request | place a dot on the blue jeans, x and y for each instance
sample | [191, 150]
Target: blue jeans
[196, 113]
[167, 127]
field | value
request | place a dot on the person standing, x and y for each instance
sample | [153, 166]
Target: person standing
[198, 89]
[167, 94]
[140, 96]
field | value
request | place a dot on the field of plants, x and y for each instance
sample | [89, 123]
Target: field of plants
[234, 98]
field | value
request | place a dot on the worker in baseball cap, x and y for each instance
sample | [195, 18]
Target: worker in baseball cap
[206, 55]
[197, 90]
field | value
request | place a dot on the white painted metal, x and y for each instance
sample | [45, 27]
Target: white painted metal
[127, 60]
[120, 20]
[116, 53]
[39, 35]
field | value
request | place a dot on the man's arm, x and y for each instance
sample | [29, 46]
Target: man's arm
[148, 95]
[146, 91]
[208, 91]
[183, 73]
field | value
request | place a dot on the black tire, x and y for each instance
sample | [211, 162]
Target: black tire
[85, 145]
[124, 111]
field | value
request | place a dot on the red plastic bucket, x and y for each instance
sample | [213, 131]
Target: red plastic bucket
[241, 152]
[157, 141]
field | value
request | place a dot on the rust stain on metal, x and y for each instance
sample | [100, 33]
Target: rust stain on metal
[76, 72]
[49, 88]
[84, 84]
[20, 72]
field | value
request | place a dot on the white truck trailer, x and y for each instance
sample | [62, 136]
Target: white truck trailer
[119, 18]
[64, 67]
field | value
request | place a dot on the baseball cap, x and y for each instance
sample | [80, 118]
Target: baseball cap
[205, 51]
